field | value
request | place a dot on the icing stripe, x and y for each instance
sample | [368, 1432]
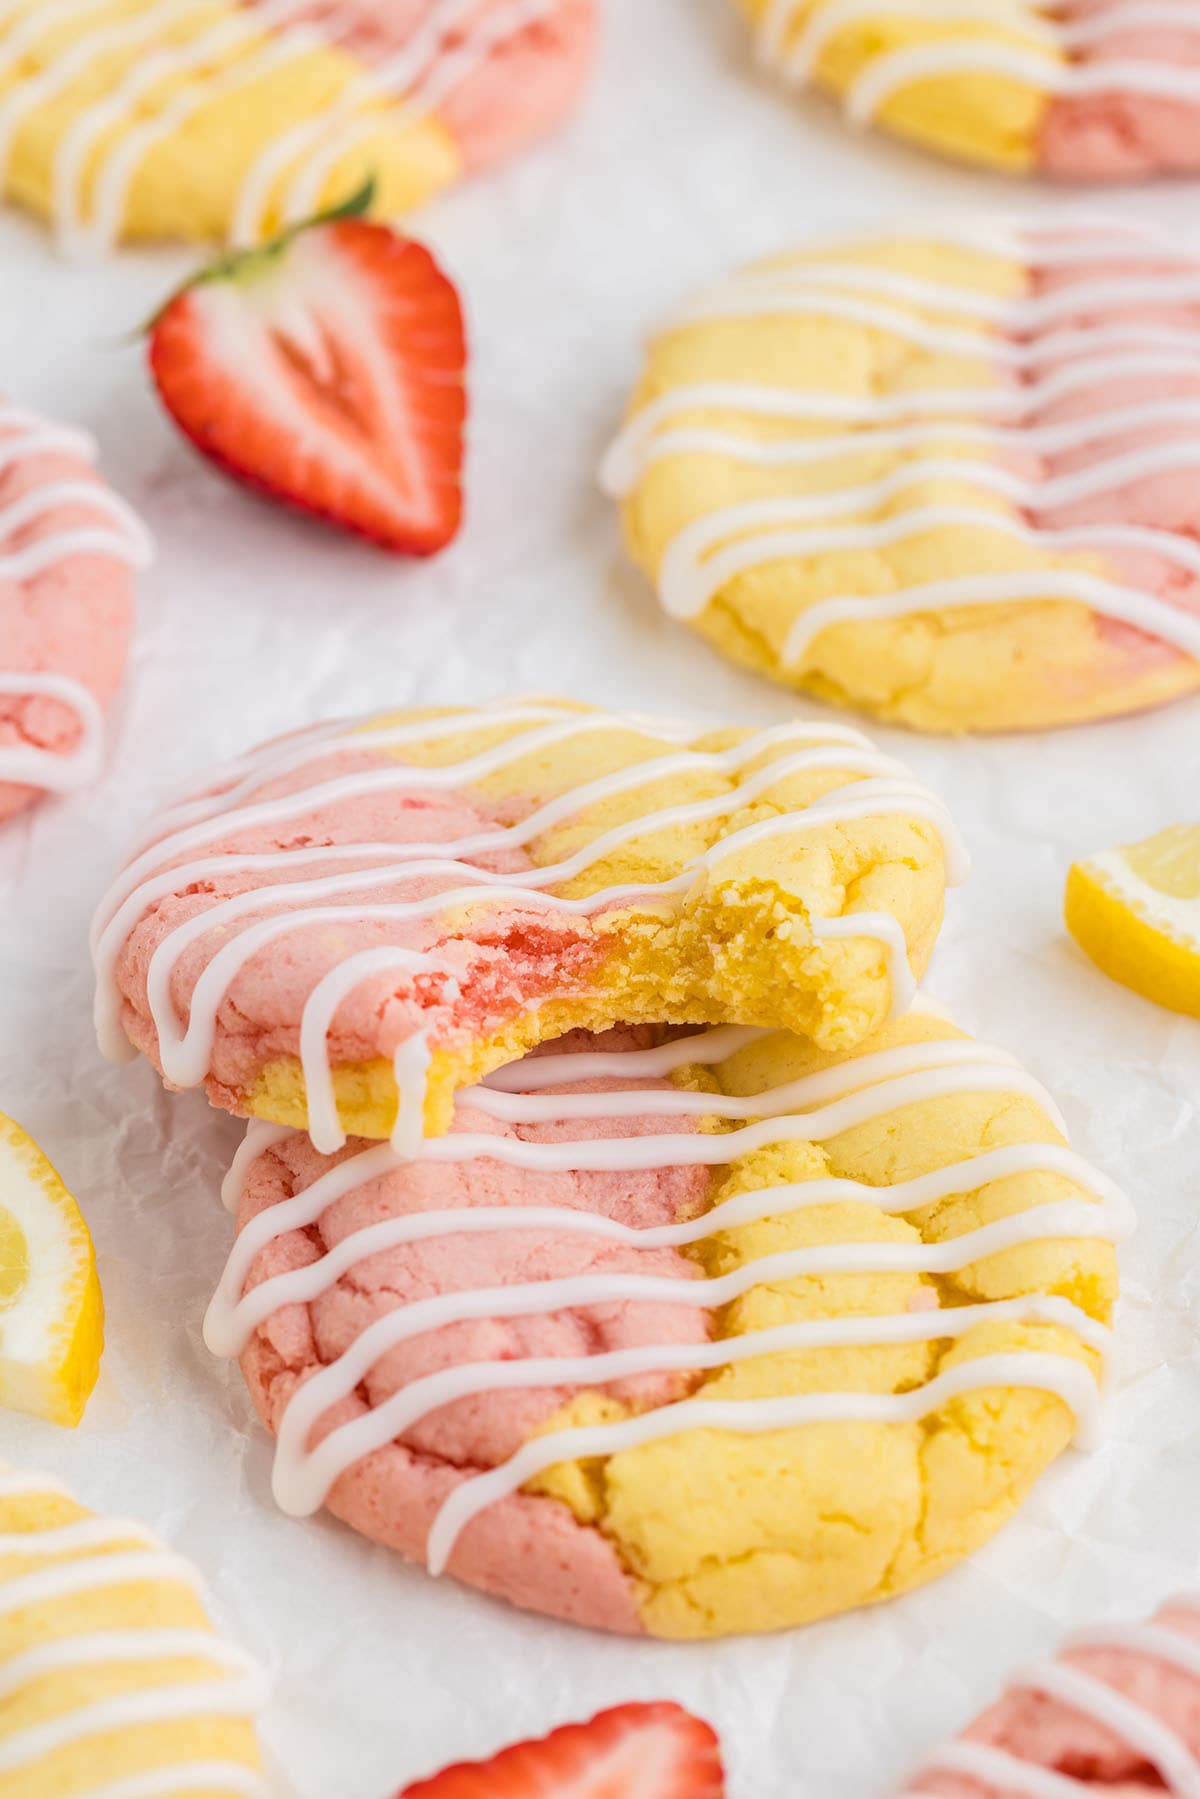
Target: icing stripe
[227, 1778]
[634, 449]
[68, 1578]
[802, 281]
[218, 1698]
[1007, 1772]
[118, 1648]
[689, 579]
[1031, 24]
[818, 448]
[1028, 47]
[443, 79]
[1127, 604]
[887, 75]
[26, 765]
[1166, 1752]
[1153, 1641]
[394, 78]
[938, 340]
[1066, 1379]
[65, 1539]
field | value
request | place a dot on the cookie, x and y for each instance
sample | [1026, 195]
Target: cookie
[68, 551]
[1092, 90]
[1116, 1713]
[949, 480]
[207, 119]
[721, 1334]
[398, 905]
[112, 1681]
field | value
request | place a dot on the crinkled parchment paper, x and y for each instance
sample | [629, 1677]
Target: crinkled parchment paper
[682, 164]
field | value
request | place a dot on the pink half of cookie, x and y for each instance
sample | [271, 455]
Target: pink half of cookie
[1107, 449]
[1127, 1730]
[511, 70]
[443, 977]
[526, 1549]
[1127, 129]
[68, 548]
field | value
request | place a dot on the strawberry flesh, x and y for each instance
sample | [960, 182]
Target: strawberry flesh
[632, 1752]
[328, 372]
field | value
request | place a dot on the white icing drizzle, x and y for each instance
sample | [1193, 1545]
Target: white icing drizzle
[27, 765]
[186, 1049]
[97, 1560]
[117, 174]
[119, 534]
[399, 75]
[812, 1109]
[229, 1778]
[99, 1571]
[441, 79]
[200, 56]
[128, 1711]
[635, 447]
[730, 541]
[1126, 1718]
[113, 1648]
[1029, 46]
[1162, 1747]
[1008, 1773]
[83, 1533]
[444, 51]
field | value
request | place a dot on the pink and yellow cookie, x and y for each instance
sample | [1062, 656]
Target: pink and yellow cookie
[393, 906]
[68, 551]
[682, 1335]
[948, 479]
[114, 1683]
[1117, 1714]
[1094, 90]
[219, 119]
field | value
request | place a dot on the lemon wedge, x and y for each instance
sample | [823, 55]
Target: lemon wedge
[1136, 913]
[51, 1309]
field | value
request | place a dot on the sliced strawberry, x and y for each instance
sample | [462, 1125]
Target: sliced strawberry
[327, 370]
[633, 1752]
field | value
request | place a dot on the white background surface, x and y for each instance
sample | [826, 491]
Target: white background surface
[682, 164]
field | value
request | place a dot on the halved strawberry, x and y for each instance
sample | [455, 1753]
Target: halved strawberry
[327, 370]
[633, 1752]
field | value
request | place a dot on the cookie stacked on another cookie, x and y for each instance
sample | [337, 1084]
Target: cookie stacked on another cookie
[825, 1260]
